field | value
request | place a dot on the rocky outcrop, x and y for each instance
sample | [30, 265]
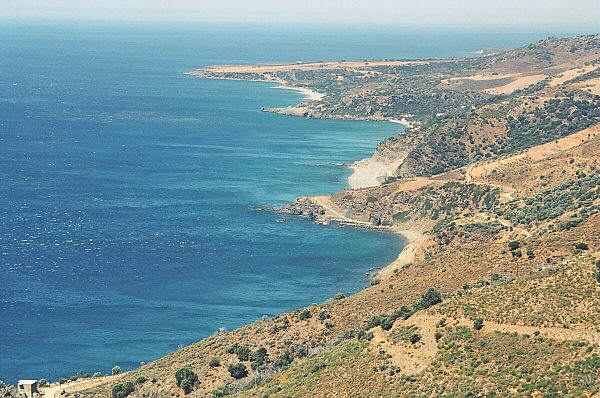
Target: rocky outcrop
[304, 208]
[298, 111]
[306, 111]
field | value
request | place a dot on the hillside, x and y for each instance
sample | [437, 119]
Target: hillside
[497, 186]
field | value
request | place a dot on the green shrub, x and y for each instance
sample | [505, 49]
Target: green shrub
[478, 324]
[387, 323]
[186, 378]
[374, 321]
[260, 356]
[283, 360]
[238, 371]
[403, 312]
[339, 296]
[74, 378]
[581, 246]
[324, 315]
[415, 337]
[121, 390]
[141, 380]
[306, 314]
[214, 363]
[42, 383]
[232, 348]
[62, 380]
[116, 370]
[429, 298]
[514, 245]
[243, 353]
[97, 374]
[437, 335]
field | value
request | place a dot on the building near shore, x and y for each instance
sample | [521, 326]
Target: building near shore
[27, 387]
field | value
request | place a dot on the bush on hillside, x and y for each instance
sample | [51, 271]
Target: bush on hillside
[232, 348]
[121, 390]
[116, 370]
[429, 298]
[260, 356]
[514, 245]
[306, 314]
[387, 322]
[283, 360]
[403, 312]
[339, 296]
[186, 378]
[478, 324]
[324, 315]
[243, 353]
[238, 371]
[141, 380]
[415, 337]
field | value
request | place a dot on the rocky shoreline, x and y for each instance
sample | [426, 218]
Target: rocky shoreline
[309, 113]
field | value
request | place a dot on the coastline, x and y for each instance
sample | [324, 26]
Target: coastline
[309, 94]
[367, 172]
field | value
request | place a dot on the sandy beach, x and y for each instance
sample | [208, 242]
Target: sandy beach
[403, 121]
[308, 93]
[369, 173]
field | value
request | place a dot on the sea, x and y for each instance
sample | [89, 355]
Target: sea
[131, 193]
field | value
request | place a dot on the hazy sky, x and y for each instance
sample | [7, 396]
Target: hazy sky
[401, 12]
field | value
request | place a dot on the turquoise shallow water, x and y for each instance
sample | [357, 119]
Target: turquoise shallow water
[127, 188]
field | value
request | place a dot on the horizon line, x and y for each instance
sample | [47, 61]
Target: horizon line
[578, 26]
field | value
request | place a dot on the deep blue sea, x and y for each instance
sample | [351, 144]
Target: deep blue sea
[127, 188]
